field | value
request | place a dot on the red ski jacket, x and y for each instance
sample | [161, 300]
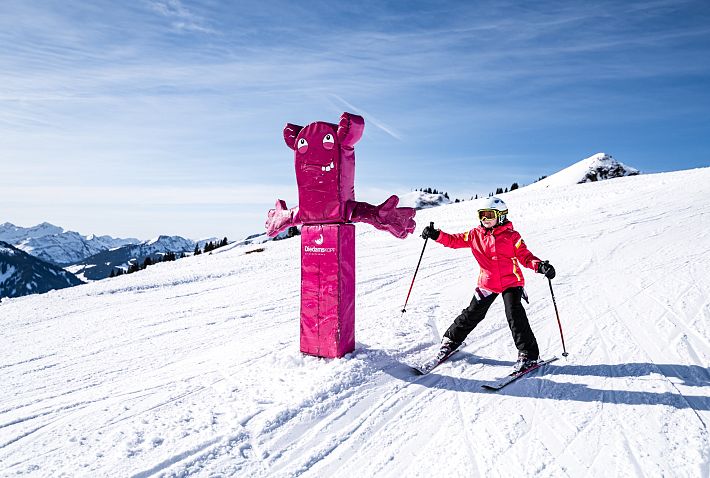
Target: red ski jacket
[499, 251]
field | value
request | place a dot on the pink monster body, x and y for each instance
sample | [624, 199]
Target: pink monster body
[325, 173]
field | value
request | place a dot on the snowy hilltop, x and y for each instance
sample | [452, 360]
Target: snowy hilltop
[22, 274]
[192, 368]
[422, 200]
[55, 245]
[598, 167]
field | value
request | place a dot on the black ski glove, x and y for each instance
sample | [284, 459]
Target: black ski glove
[430, 233]
[546, 268]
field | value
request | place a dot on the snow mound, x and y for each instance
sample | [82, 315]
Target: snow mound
[598, 167]
[421, 200]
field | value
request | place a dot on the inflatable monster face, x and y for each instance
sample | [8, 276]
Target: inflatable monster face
[325, 167]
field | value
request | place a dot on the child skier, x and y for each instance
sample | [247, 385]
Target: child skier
[500, 251]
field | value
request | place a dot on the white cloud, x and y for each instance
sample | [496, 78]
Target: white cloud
[182, 18]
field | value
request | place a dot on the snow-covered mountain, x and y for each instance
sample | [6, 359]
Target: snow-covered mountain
[57, 246]
[99, 266]
[598, 167]
[192, 368]
[421, 200]
[15, 234]
[22, 274]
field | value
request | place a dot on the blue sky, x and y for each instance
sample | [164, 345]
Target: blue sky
[152, 117]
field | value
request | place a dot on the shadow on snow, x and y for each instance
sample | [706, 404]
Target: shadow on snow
[539, 387]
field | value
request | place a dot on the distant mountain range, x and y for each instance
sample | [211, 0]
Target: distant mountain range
[22, 274]
[91, 257]
[57, 246]
[100, 265]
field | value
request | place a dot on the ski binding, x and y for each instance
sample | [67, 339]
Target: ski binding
[434, 362]
[516, 375]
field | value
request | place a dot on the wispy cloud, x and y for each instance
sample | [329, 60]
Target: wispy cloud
[181, 18]
[370, 118]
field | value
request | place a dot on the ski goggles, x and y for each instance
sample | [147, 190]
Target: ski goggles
[490, 214]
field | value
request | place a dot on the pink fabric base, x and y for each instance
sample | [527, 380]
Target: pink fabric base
[328, 289]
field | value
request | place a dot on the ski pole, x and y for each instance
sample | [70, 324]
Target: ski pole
[404, 309]
[564, 350]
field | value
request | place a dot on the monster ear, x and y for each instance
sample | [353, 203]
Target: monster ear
[350, 129]
[290, 133]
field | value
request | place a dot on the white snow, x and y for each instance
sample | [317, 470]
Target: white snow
[192, 368]
[9, 272]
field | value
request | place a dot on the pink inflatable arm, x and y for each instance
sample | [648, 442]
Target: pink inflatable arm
[398, 221]
[281, 218]
[350, 129]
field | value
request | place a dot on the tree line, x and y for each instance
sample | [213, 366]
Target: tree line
[167, 257]
[209, 247]
[499, 190]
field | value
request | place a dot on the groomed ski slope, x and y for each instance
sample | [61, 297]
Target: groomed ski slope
[192, 368]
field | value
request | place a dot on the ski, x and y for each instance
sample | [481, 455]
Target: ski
[434, 362]
[516, 375]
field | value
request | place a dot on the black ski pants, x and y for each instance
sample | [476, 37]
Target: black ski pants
[472, 315]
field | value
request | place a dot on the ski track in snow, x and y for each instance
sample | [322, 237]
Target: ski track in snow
[192, 368]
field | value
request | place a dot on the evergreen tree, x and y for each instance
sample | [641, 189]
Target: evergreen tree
[514, 186]
[147, 262]
[197, 250]
[112, 274]
[506, 189]
[446, 195]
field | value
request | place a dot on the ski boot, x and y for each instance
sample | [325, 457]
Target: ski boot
[523, 363]
[447, 346]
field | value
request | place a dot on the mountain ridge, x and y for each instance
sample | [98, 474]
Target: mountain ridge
[23, 274]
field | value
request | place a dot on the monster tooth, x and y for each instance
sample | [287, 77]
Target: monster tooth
[332, 165]
[322, 168]
[327, 168]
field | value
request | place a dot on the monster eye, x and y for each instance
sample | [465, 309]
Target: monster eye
[302, 145]
[328, 141]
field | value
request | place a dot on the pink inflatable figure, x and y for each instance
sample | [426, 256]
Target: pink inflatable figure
[325, 173]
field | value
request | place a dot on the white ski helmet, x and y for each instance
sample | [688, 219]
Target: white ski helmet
[494, 204]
